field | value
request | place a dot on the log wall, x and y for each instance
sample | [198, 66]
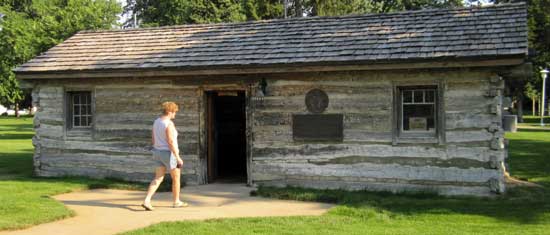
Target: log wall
[468, 161]
[118, 144]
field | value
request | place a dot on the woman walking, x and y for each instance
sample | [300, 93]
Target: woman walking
[166, 154]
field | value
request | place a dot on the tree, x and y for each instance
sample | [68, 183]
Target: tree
[263, 9]
[538, 20]
[30, 27]
[533, 94]
[344, 7]
[176, 12]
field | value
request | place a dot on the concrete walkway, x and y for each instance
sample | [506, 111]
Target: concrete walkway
[106, 211]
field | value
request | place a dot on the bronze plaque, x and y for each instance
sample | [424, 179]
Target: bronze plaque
[318, 127]
[316, 101]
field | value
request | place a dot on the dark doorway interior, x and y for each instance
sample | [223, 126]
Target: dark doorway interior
[226, 137]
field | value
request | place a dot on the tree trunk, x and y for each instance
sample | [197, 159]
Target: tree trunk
[534, 101]
[298, 11]
[520, 108]
[17, 110]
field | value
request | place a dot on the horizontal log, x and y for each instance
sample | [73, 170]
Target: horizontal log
[272, 134]
[360, 135]
[342, 89]
[121, 134]
[112, 105]
[111, 147]
[350, 104]
[465, 120]
[377, 121]
[373, 184]
[130, 163]
[306, 152]
[461, 163]
[50, 131]
[468, 136]
[369, 170]
[149, 92]
[475, 104]
[338, 79]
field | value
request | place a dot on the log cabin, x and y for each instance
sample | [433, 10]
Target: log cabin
[405, 101]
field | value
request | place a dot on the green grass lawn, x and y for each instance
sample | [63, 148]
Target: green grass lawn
[522, 210]
[24, 200]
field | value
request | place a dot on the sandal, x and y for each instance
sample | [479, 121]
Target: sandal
[147, 207]
[180, 204]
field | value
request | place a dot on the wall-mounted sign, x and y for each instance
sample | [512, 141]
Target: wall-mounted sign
[318, 127]
[316, 101]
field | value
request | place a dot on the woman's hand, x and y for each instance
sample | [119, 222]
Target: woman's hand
[180, 161]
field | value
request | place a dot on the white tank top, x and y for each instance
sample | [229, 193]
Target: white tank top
[159, 132]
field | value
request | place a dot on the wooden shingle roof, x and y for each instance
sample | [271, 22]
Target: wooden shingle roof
[490, 32]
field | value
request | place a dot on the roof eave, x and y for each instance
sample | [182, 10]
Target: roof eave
[436, 63]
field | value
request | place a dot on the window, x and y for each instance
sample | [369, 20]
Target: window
[417, 111]
[80, 109]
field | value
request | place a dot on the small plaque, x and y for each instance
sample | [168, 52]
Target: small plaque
[316, 101]
[317, 127]
[418, 123]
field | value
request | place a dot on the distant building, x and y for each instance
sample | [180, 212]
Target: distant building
[399, 101]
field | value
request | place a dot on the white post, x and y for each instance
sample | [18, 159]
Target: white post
[544, 74]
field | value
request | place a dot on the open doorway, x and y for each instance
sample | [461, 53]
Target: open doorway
[226, 127]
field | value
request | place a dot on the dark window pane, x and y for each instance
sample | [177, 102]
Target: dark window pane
[85, 121]
[89, 109]
[418, 117]
[84, 98]
[419, 96]
[76, 121]
[76, 110]
[76, 99]
[430, 96]
[407, 96]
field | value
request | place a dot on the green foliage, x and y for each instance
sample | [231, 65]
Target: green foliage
[175, 12]
[532, 93]
[539, 32]
[539, 36]
[31, 27]
[262, 9]
[344, 7]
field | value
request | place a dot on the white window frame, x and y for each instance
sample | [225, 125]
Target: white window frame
[71, 107]
[402, 104]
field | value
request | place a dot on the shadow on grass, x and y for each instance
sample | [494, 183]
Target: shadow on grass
[535, 119]
[16, 136]
[519, 205]
[533, 130]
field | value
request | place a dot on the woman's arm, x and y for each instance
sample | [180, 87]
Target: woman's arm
[153, 137]
[170, 129]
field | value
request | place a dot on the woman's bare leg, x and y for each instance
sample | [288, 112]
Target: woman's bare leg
[155, 183]
[175, 173]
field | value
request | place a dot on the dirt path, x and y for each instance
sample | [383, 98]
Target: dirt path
[106, 211]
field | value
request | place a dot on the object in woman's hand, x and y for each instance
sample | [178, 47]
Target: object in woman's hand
[178, 165]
